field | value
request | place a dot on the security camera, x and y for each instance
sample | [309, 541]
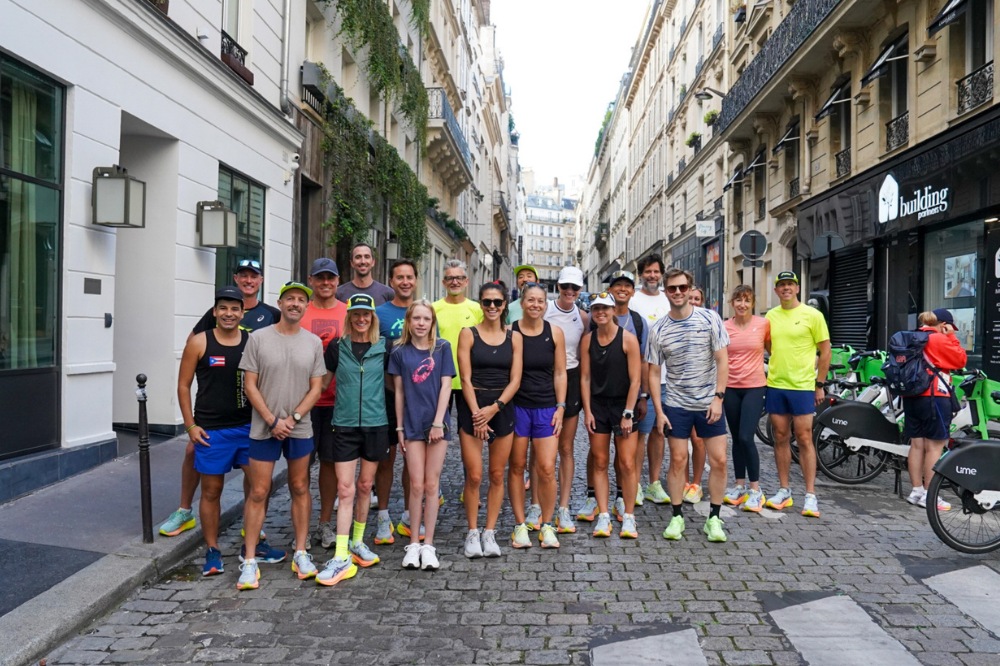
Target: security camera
[295, 162]
[295, 157]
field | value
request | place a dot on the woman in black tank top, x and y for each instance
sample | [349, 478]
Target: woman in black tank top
[610, 375]
[489, 364]
[539, 407]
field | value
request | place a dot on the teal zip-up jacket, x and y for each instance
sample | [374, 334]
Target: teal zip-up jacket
[360, 387]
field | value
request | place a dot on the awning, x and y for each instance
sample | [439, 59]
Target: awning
[736, 178]
[840, 95]
[791, 134]
[758, 159]
[948, 15]
[881, 65]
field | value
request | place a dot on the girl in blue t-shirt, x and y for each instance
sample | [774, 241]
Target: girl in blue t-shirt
[422, 368]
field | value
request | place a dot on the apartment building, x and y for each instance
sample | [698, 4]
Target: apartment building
[865, 141]
[549, 243]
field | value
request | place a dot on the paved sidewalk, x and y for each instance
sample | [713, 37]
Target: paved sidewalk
[72, 551]
[866, 583]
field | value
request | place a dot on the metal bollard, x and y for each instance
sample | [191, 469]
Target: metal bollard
[144, 484]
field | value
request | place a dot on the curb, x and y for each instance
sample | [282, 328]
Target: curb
[43, 623]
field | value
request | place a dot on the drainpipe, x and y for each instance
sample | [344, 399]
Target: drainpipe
[805, 182]
[286, 27]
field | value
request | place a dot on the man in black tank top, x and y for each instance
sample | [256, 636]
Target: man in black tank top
[219, 424]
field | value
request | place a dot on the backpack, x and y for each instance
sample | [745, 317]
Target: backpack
[637, 322]
[906, 368]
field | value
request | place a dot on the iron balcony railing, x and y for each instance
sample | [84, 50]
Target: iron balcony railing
[897, 131]
[843, 162]
[230, 47]
[761, 208]
[975, 89]
[500, 201]
[720, 32]
[739, 220]
[793, 188]
[438, 108]
[798, 26]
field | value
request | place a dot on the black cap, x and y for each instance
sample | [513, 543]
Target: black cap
[944, 316]
[361, 302]
[785, 276]
[229, 293]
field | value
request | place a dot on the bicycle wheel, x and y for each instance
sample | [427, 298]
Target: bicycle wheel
[764, 429]
[839, 463]
[967, 527]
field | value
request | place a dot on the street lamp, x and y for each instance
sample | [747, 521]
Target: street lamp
[117, 199]
[706, 94]
[216, 225]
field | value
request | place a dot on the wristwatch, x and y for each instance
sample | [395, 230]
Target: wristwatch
[643, 396]
[628, 414]
[561, 404]
[500, 404]
[820, 384]
[721, 395]
[296, 417]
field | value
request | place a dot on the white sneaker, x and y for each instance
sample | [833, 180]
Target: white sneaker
[428, 558]
[490, 546]
[533, 521]
[411, 560]
[638, 496]
[916, 496]
[326, 535]
[941, 504]
[473, 547]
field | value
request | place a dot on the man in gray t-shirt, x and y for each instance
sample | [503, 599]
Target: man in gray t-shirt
[284, 373]
[362, 282]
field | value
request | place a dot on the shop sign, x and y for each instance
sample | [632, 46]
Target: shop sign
[925, 202]
[704, 228]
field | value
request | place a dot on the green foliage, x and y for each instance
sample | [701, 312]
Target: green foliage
[604, 127]
[693, 138]
[390, 69]
[711, 117]
[447, 221]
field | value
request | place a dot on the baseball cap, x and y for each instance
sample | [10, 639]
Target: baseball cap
[603, 298]
[251, 264]
[944, 315]
[361, 302]
[324, 265]
[518, 269]
[229, 293]
[622, 275]
[784, 276]
[571, 275]
[294, 285]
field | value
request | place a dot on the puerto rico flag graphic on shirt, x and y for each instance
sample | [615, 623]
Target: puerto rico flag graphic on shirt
[216, 361]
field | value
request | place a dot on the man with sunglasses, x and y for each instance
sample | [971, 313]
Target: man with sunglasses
[691, 344]
[256, 315]
[574, 322]
[455, 312]
[523, 274]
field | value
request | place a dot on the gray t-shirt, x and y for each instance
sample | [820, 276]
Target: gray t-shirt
[284, 364]
[380, 292]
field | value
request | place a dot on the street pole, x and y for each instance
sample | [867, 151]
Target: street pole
[144, 482]
[753, 284]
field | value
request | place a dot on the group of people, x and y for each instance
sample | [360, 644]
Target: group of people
[344, 373]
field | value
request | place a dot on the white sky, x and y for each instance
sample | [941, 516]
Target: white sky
[563, 62]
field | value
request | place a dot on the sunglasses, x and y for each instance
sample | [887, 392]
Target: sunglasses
[569, 287]
[249, 263]
[674, 288]
[456, 278]
[293, 283]
[495, 302]
[534, 284]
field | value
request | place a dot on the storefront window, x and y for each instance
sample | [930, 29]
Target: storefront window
[246, 199]
[953, 273]
[31, 120]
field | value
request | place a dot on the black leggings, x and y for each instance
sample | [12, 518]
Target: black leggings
[743, 407]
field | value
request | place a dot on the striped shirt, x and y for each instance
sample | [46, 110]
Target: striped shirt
[686, 348]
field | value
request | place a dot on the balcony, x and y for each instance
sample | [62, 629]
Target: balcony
[897, 132]
[739, 221]
[447, 148]
[762, 208]
[601, 235]
[975, 89]
[720, 32]
[501, 213]
[843, 159]
[793, 188]
[681, 165]
[803, 18]
[235, 56]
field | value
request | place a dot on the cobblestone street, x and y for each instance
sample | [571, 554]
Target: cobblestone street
[867, 582]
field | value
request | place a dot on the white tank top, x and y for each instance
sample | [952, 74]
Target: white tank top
[571, 324]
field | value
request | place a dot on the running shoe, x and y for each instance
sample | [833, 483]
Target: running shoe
[265, 553]
[326, 534]
[362, 554]
[411, 559]
[619, 508]
[372, 500]
[429, 558]
[335, 571]
[755, 501]
[179, 521]
[403, 528]
[249, 576]
[588, 511]
[383, 532]
[461, 497]
[628, 530]
[547, 536]
[736, 496]
[440, 497]
[692, 494]
[243, 534]
[213, 563]
[336, 503]
[527, 481]
[916, 496]
[520, 538]
[603, 526]
[638, 495]
[564, 521]
[473, 545]
[713, 530]
[810, 507]
[780, 500]
[675, 529]
[941, 504]
[534, 518]
[656, 494]
[490, 546]
[302, 564]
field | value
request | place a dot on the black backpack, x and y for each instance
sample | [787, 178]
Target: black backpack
[637, 322]
[906, 368]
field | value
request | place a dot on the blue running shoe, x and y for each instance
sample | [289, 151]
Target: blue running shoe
[179, 521]
[213, 563]
[265, 553]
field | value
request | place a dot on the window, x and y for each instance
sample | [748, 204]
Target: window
[31, 140]
[838, 108]
[231, 18]
[892, 68]
[953, 268]
[971, 50]
[246, 199]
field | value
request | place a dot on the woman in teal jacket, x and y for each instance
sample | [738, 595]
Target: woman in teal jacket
[361, 431]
